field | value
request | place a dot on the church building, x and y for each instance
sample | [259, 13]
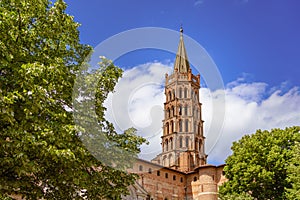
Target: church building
[180, 171]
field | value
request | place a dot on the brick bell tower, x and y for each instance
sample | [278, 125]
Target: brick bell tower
[182, 140]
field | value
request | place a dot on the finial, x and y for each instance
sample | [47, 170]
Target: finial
[181, 29]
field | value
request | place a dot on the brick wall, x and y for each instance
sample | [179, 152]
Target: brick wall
[163, 183]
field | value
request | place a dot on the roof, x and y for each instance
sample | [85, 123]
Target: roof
[174, 170]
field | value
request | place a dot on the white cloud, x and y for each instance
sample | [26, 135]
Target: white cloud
[139, 97]
[138, 102]
[247, 111]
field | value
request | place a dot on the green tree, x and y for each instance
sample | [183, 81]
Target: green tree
[4, 197]
[234, 196]
[258, 165]
[41, 152]
[293, 174]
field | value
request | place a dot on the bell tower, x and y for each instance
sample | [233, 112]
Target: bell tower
[182, 139]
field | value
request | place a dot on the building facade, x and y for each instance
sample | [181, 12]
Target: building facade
[180, 171]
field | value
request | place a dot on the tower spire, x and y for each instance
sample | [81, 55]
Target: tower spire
[181, 62]
[182, 139]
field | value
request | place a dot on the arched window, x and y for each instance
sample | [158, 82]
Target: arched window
[186, 110]
[170, 96]
[164, 162]
[168, 113]
[172, 111]
[200, 145]
[180, 92]
[166, 144]
[187, 142]
[180, 110]
[170, 160]
[140, 168]
[180, 125]
[173, 94]
[172, 127]
[167, 128]
[186, 125]
[196, 144]
[180, 141]
[171, 143]
[199, 129]
[185, 92]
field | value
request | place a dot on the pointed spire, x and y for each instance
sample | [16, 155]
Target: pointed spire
[181, 62]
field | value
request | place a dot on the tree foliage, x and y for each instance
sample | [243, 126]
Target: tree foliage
[293, 170]
[258, 165]
[235, 196]
[41, 153]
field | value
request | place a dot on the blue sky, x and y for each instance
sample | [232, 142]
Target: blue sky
[254, 43]
[261, 38]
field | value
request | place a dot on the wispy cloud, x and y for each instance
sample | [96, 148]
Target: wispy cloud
[243, 1]
[198, 2]
[139, 97]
